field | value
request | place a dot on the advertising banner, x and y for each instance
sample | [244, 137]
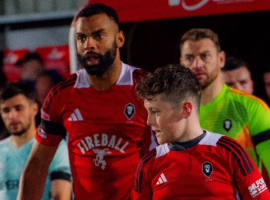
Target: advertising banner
[141, 10]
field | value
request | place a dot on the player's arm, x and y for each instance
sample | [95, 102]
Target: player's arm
[248, 179]
[35, 172]
[61, 189]
[259, 127]
[60, 174]
[142, 189]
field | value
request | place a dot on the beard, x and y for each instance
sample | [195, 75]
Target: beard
[105, 61]
[209, 80]
[19, 132]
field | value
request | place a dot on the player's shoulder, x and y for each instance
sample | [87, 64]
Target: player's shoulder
[61, 90]
[148, 157]
[246, 99]
[231, 146]
[4, 144]
[223, 143]
[138, 73]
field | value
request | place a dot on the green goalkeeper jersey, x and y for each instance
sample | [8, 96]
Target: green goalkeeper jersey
[243, 117]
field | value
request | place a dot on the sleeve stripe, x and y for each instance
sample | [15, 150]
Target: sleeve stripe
[240, 155]
[137, 186]
[52, 128]
[261, 137]
[232, 142]
[56, 89]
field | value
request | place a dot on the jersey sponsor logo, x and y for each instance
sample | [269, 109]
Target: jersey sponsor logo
[161, 179]
[99, 160]
[207, 169]
[257, 188]
[129, 110]
[102, 140]
[76, 116]
[227, 124]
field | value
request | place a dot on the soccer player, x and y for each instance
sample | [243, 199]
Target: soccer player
[223, 109]
[190, 163]
[236, 74]
[18, 109]
[98, 108]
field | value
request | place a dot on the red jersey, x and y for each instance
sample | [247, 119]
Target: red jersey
[215, 168]
[106, 133]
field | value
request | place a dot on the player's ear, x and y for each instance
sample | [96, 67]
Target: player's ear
[120, 39]
[181, 61]
[187, 109]
[35, 108]
[222, 58]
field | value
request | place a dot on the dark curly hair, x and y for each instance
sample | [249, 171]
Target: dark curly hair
[175, 82]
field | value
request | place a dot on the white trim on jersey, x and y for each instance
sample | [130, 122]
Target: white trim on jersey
[125, 77]
[162, 150]
[210, 139]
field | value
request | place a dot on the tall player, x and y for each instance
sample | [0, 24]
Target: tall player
[190, 163]
[98, 108]
[223, 109]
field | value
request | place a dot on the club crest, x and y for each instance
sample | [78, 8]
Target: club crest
[207, 169]
[129, 110]
[227, 125]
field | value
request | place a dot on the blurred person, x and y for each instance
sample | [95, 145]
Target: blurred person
[32, 67]
[18, 109]
[45, 82]
[266, 81]
[98, 109]
[189, 163]
[224, 109]
[3, 80]
[236, 74]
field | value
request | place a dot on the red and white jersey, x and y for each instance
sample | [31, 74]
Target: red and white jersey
[215, 168]
[107, 133]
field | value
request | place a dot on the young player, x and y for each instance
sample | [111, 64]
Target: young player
[190, 163]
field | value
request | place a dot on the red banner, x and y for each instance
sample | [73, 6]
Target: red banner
[55, 57]
[141, 10]
[11, 57]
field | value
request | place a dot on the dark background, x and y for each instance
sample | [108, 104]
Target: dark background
[152, 44]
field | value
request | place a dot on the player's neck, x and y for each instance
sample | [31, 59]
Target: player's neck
[212, 91]
[108, 79]
[18, 141]
[194, 127]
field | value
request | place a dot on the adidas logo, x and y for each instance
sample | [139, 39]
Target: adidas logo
[76, 116]
[161, 179]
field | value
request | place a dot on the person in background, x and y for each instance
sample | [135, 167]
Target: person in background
[32, 66]
[224, 109]
[3, 80]
[236, 74]
[45, 82]
[18, 109]
[266, 80]
[97, 109]
[189, 163]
